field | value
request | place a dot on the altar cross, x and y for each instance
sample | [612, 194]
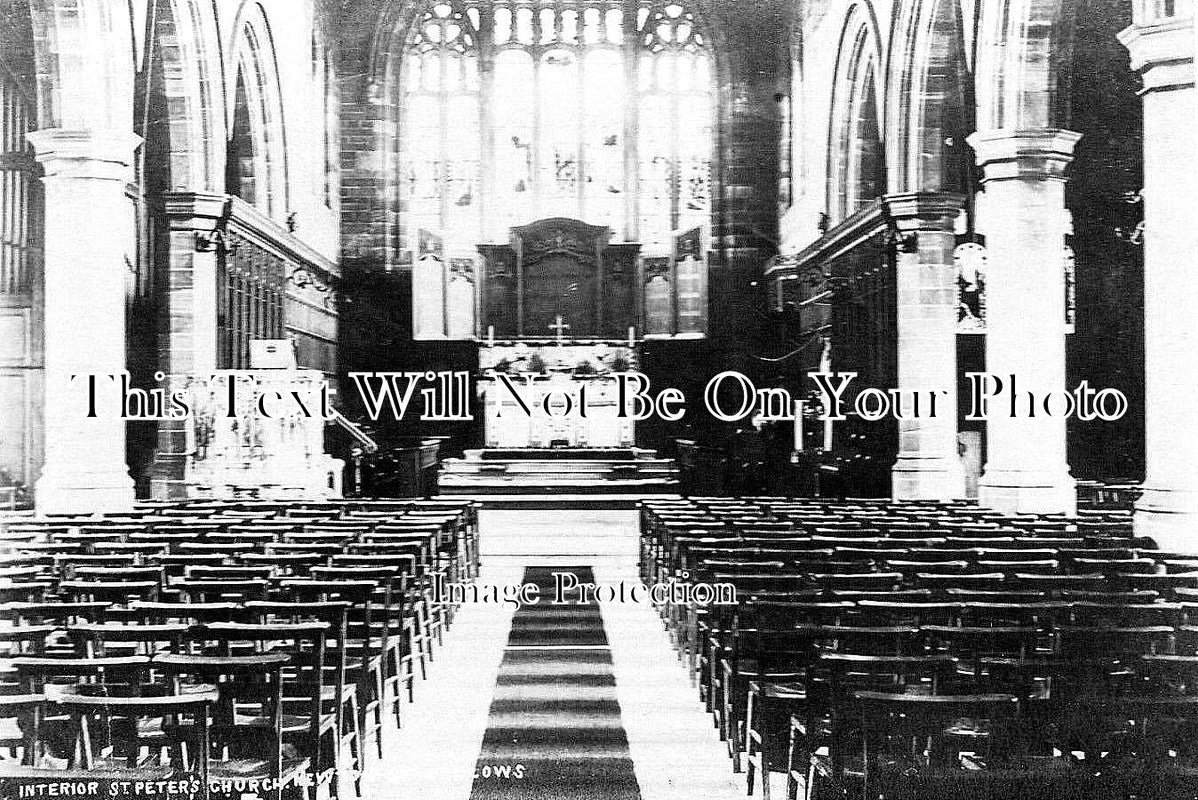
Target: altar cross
[559, 327]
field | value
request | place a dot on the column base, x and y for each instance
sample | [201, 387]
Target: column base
[170, 489]
[1027, 492]
[167, 478]
[935, 479]
[77, 490]
[1169, 517]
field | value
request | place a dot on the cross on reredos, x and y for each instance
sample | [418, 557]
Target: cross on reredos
[559, 327]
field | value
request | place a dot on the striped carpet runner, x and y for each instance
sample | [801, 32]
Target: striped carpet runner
[554, 729]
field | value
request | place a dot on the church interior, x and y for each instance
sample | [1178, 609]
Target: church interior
[319, 472]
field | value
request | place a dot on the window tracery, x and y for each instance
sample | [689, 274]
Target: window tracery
[514, 110]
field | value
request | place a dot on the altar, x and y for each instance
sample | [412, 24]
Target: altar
[557, 310]
[543, 394]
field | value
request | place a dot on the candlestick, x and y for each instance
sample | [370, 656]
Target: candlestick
[631, 336]
[798, 404]
[825, 365]
[490, 336]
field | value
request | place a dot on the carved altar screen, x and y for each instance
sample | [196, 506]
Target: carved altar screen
[560, 272]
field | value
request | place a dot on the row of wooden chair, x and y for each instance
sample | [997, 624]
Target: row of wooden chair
[970, 629]
[322, 613]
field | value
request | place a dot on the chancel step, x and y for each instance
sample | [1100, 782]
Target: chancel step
[550, 471]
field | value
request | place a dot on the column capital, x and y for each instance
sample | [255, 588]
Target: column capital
[1039, 154]
[1162, 52]
[85, 154]
[199, 211]
[924, 211]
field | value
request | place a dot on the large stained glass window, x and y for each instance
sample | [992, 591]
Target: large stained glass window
[676, 83]
[440, 145]
[516, 110]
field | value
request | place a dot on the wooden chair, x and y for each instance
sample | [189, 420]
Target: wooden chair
[124, 738]
[66, 565]
[365, 650]
[227, 550]
[765, 662]
[314, 733]
[784, 649]
[294, 565]
[825, 737]
[339, 537]
[307, 548]
[175, 565]
[432, 617]
[338, 694]
[110, 591]
[115, 639]
[971, 643]
[941, 583]
[139, 550]
[228, 573]
[1133, 641]
[20, 728]
[23, 591]
[904, 612]
[190, 530]
[1101, 612]
[220, 591]
[246, 730]
[119, 675]
[911, 744]
[127, 574]
[248, 536]
[23, 640]
[58, 613]
[184, 613]
[395, 630]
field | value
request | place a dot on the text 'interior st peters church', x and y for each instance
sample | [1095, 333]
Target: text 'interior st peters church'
[602, 399]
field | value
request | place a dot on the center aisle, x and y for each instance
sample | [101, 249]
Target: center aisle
[578, 700]
[555, 727]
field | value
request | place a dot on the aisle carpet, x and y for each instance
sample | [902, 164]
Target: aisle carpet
[554, 729]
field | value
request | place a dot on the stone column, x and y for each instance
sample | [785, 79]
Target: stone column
[1024, 180]
[88, 233]
[1161, 43]
[928, 465]
[746, 189]
[189, 343]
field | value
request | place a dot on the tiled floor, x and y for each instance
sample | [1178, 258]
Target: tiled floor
[675, 750]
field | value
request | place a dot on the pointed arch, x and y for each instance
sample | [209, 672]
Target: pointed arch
[1024, 48]
[856, 159]
[177, 95]
[256, 159]
[931, 106]
[84, 59]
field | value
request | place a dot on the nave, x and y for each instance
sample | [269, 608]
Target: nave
[177, 616]
[873, 648]
[670, 747]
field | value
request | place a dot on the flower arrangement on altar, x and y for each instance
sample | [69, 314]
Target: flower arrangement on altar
[579, 360]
